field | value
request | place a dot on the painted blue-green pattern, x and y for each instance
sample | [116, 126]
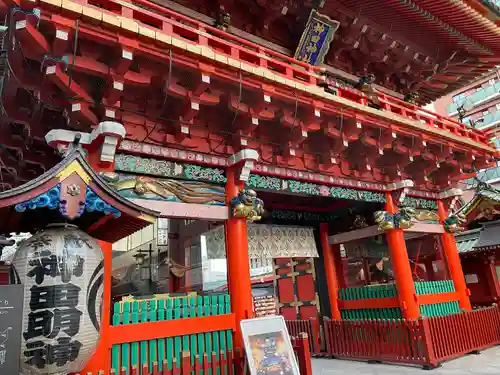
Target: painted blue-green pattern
[158, 350]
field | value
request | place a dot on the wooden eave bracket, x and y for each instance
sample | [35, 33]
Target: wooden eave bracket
[245, 160]
[450, 198]
[107, 135]
[402, 188]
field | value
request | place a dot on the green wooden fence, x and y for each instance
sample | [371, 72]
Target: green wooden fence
[390, 291]
[148, 352]
[369, 292]
[437, 287]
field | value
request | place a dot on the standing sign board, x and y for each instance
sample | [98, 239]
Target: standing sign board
[11, 319]
[268, 346]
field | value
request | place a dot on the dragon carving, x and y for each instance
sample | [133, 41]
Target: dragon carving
[247, 205]
[400, 220]
[454, 223]
[365, 85]
[186, 191]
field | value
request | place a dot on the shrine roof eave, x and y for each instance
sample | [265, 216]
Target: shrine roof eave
[467, 19]
[489, 237]
[484, 193]
[332, 103]
[466, 240]
[71, 192]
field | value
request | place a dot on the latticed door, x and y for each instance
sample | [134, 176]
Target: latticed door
[295, 286]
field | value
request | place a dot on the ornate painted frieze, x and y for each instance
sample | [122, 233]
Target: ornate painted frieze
[414, 202]
[286, 181]
[169, 190]
[280, 172]
[164, 168]
[289, 215]
[51, 199]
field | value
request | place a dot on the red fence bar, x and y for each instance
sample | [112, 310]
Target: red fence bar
[456, 335]
[310, 327]
[390, 341]
[427, 341]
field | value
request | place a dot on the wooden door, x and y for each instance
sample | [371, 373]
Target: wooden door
[295, 285]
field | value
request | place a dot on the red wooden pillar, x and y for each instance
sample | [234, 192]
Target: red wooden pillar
[401, 265]
[101, 357]
[492, 278]
[238, 263]
[187, 264]
[340, 267]
[330, 270]
[453, 261]
[429, 269]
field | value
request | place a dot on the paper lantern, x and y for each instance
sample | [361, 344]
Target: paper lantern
[60, 268]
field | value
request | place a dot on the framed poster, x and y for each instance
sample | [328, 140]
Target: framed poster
[268, 346]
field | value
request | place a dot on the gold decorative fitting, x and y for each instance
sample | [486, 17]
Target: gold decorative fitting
[247, 205]
[73, 190]
[454, 224]
[400, 220]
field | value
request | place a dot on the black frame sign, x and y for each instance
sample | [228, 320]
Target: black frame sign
[11, 320]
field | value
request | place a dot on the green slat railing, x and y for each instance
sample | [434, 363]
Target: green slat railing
[437, 287]
[157, 350]
[390, 291]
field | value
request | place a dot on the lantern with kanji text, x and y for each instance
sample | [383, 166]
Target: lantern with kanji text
[59, 267]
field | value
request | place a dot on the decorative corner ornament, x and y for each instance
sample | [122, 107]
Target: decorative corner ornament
[247, 205]
[400, 220]
[412, 98]
[73, 190]
[223, 19]
[454, 224]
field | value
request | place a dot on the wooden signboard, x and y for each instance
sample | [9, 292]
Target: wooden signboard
[11, 319]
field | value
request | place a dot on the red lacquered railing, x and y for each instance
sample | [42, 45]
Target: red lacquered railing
[310, 327]
[157, 17]
[427, 341]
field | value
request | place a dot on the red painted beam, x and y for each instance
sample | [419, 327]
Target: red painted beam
[56, 75]
[35, 44]
[429, 299]
[371, 303]
[169, 328]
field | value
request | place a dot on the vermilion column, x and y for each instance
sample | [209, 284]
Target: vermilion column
[401, 265]
[453, 261]
[429, 269]
[238, 264]
[330, 271]
[340, 266]
[492, 278]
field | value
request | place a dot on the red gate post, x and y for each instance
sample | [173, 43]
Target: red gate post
[446, 200]
[238, 264]
[330, 271]
[400, 261]
[303, 352]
